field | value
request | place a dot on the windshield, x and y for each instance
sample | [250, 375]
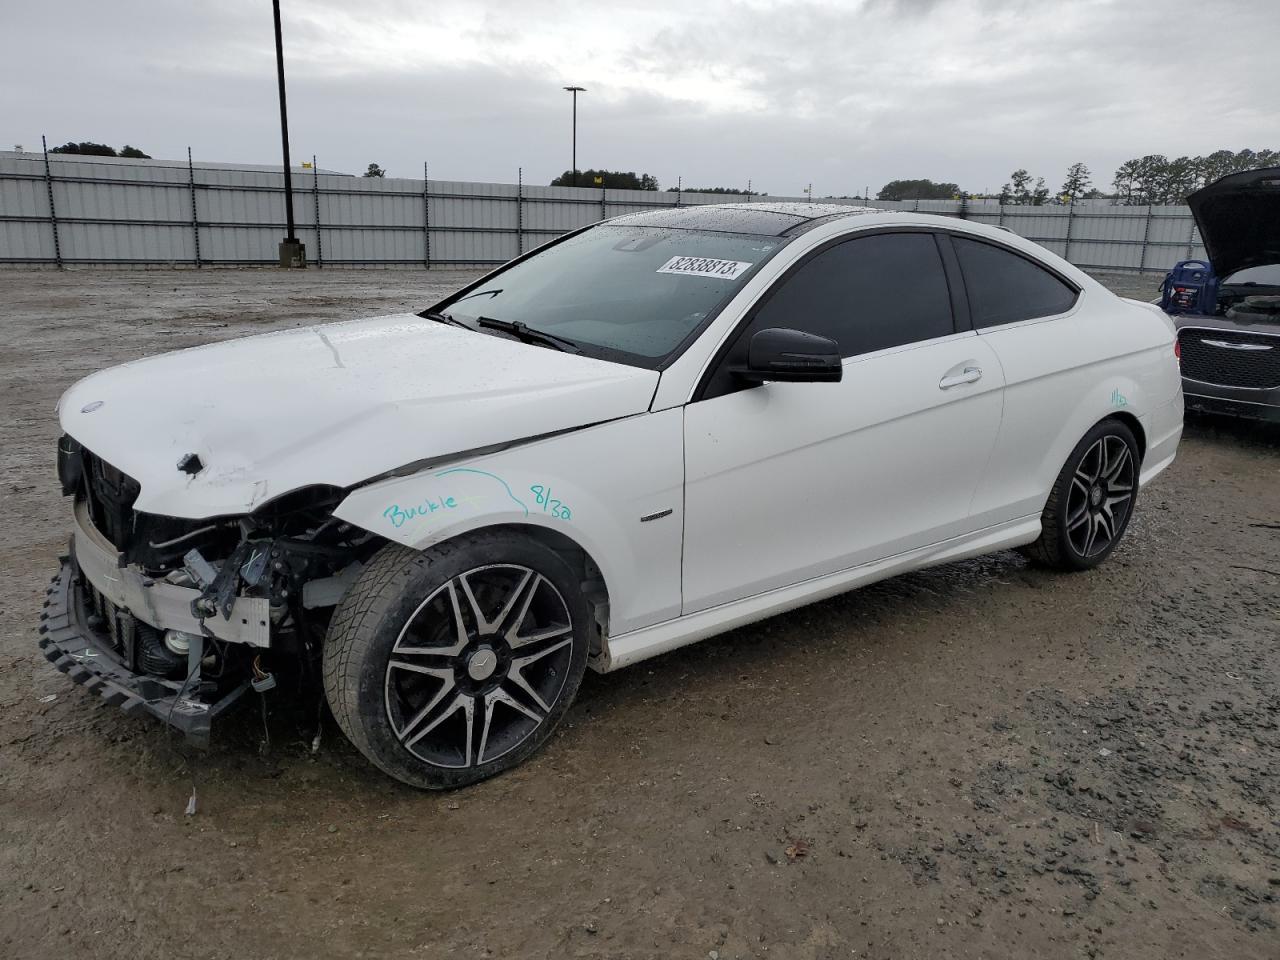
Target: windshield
[630, 294]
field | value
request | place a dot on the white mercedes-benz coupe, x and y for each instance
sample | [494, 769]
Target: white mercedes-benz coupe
[644, 433]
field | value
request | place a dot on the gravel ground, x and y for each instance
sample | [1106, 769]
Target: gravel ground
[980, 760]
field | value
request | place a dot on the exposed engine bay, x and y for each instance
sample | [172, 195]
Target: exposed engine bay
[1244, 303]
[258, 589]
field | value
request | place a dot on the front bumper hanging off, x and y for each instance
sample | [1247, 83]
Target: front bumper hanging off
[87, 655]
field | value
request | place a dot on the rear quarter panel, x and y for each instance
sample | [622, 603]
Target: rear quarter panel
[1106, 356]
[592, 486]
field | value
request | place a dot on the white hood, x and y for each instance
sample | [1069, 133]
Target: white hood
[334, 404]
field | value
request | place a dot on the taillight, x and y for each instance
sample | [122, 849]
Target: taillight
[1177, 351]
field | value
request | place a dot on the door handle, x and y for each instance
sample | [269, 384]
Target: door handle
[967, 375]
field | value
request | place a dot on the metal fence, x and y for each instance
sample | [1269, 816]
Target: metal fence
[65, 210]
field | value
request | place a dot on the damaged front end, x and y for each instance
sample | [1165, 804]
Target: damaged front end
[180, 618]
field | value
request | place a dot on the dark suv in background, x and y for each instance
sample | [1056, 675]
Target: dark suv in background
[1228, 317]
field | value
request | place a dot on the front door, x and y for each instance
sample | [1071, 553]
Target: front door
[789, 481]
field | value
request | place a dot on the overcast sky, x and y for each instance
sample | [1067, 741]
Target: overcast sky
[841, 94]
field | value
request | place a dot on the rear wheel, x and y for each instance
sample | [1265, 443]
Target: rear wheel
[1089, 508]
[451, 665]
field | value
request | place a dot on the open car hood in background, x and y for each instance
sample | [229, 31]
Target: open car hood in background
[1239, 220]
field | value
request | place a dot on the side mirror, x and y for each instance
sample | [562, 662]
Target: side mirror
[791, 356]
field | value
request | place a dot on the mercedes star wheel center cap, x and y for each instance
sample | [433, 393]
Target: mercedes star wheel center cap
[482, 664]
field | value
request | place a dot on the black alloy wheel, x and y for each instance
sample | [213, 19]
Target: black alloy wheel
[478, 665]
[449, 665]
[1092, 500]
[1100, 496]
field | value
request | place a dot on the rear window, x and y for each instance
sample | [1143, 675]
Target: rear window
[1004, 287]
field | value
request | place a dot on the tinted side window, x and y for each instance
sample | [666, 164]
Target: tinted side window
[866, 294]
[1004, 287]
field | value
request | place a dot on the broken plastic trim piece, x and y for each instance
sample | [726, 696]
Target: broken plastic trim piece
[217, 587]
[85, 655]
[200, 569]
[253, 569]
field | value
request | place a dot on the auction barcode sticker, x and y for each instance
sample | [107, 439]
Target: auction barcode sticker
[706, 267]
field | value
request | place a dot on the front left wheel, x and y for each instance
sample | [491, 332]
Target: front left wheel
[454, 664]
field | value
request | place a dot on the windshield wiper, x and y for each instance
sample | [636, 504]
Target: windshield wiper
[480, 293]
[441, 317]
[527, 334]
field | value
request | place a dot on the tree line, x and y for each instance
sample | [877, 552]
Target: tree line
[612, 179]
[90, 149]
[1150, 180]
[1155, 179]
[1022, 188]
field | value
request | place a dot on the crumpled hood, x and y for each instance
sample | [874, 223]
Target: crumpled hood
[1239, 220]
[334, 404]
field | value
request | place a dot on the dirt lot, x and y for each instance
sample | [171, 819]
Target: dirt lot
[982, 760]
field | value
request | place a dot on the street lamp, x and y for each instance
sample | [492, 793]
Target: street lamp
[575, 91]
[292, 252]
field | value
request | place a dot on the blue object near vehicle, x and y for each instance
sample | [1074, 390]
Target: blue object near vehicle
[1190, 287]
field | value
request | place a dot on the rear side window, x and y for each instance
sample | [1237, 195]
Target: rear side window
[1005, 288]
[866, 294]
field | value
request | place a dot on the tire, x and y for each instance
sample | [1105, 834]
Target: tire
[448, 666]
[1091, 502]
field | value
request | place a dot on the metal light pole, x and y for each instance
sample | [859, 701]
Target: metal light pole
[292, 252]
[575, 91]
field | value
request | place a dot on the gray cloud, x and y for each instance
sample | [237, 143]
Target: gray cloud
[843, 94]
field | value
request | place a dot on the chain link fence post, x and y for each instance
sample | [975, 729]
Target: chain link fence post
[1146, 239]
[195, 220]
[315, 195]
[53, 215]
[426, 218]
[1071, 214]
[519, 211]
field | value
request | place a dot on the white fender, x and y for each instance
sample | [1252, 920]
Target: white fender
[615, 489]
